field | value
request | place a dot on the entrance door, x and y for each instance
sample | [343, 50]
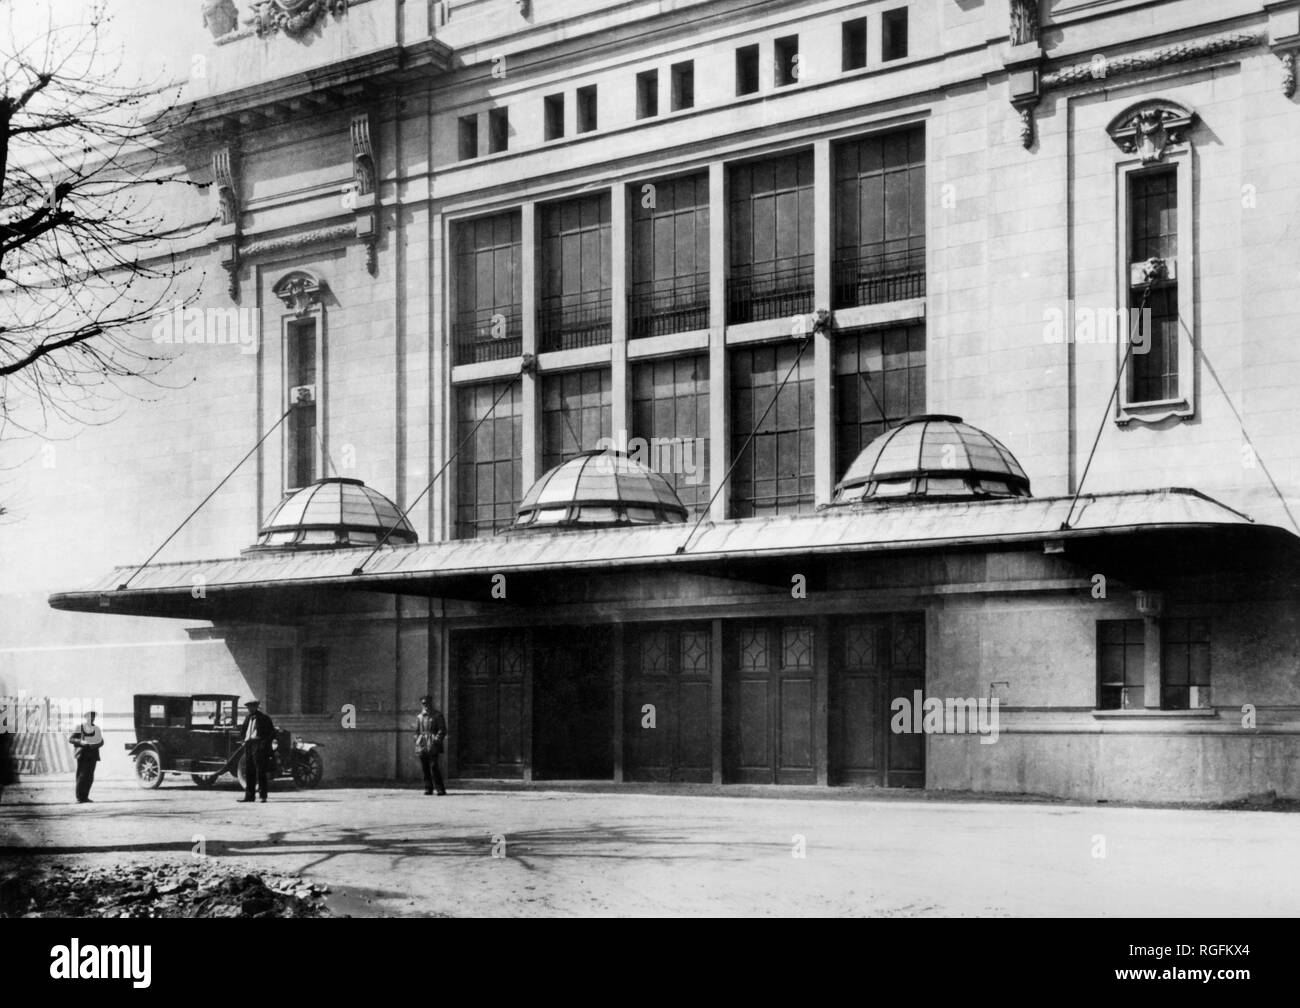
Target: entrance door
[487, 724]
[769, 703]
[573, 704]
[875, 659]
[666, 720]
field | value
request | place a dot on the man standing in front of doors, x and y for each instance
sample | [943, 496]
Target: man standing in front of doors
[430, 731]
[259, 733]
[88, 740]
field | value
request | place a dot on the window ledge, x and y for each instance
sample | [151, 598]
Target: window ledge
[1154, 712]
[1154, 412]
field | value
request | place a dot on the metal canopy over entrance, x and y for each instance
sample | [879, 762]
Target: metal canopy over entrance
[1140, 535]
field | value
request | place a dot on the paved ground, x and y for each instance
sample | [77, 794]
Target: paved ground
[397, 852]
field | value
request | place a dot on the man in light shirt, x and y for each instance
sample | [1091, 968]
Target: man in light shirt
[88, 741]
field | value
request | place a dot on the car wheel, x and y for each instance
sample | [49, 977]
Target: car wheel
[308, 768]
[204, 780]
[148, 768]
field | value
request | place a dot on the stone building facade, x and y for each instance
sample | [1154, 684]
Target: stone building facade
[594, 224]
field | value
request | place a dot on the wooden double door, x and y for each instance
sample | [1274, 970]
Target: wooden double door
[487, 721]
[667, 703]
[769, 702]
[875, 660]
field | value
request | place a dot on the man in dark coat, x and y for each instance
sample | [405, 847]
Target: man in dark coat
[88, 740]
[430, 731]
[258, 735]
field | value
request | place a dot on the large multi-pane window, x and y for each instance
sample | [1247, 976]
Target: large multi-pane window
[301, 348]
[879, 380]
[575, 273]
[1184, 645]
[576, 413]
[1185, 664]
[490, 466]
[670, 256]
[1153, 234]
[487, 321]
[771, 227]
[670, 423]
[880, 219]
[774, 474]
[1121, 655]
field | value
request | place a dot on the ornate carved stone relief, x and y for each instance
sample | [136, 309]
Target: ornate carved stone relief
[293, 17]
[300, 291]
[1151, 127]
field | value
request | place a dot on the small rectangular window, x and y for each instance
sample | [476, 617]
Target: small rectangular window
[1121, 664]
[786, 60]
[853, 44]
[587, 108]
[747, 70]
[1153, 234]
[553, 116]
[498, 130]
[647, 94]
[683, 85]
[893, 34]
[468, 129]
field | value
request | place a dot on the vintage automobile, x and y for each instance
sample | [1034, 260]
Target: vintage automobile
[199, 734]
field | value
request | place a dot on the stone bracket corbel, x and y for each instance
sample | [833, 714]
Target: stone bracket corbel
[225, 184]
[1023, 79]
[364, 188]
[1284, 41]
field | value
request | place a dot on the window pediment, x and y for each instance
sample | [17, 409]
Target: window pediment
[300, 291]
[1149, 128]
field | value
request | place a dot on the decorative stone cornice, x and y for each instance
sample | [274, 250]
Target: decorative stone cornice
[1028, 85]
[1148, 59]
[290, 242]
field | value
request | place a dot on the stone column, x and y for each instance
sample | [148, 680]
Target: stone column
[719, 427]
[530, 393]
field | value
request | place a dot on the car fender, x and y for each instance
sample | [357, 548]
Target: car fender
[135, 748]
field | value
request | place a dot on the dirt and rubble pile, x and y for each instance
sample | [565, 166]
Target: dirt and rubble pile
[202, 888]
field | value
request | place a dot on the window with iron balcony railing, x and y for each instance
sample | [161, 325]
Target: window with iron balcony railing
[658, 307]
[571, 321]
[756, 295]
[488, 334]
[873, 276]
